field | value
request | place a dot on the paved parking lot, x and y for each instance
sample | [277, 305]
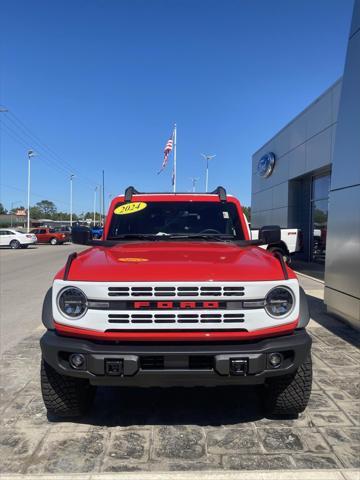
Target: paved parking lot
[25, 277]
[186, 429]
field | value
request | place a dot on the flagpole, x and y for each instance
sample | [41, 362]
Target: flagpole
[174, 172]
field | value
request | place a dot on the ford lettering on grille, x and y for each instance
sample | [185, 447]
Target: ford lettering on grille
[175, 305]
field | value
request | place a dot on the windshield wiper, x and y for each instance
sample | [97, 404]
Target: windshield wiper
[135, 236]
[203, 236]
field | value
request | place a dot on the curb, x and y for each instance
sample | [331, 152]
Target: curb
[343, 474]
[310, 277]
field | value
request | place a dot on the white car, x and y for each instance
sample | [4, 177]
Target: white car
[14, 239]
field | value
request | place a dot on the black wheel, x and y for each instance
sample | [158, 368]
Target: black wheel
[283, 253]
[65, 396]
[53, 241]
[290, 395]
[14, 244]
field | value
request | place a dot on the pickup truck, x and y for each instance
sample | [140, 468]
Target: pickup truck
[290, 242]
[175, 294]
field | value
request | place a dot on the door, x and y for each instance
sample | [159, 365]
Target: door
[43, 236]
[319, 214]
[6, 236]
[3, 238]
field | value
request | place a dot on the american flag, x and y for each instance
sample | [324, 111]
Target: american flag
[167, 150]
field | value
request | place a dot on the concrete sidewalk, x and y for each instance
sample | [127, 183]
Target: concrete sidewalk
[217, 433]
[245, 475]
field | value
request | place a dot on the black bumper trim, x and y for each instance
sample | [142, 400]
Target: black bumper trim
[175, 369]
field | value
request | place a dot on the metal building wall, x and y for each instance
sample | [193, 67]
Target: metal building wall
[302, 147]
[342, 269]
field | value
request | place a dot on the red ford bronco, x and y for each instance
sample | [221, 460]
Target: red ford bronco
[175, 294]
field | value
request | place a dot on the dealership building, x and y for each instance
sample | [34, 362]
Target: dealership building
[308, 176]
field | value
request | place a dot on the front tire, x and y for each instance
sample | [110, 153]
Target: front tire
[290, 395]
[53, 241]
[15, 244]
[65, 396]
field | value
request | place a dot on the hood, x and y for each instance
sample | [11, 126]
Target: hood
[175, 261]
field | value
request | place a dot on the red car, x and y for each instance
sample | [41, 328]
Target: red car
[49, 235]
[175, 294]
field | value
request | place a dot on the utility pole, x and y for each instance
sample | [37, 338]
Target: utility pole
[193, 182]
[30, 154]
[95, 204]
[71, 199]
[103, 193]
[207, 158]
[100, 205]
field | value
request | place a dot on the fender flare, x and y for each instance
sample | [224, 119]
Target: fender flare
[279, 246]
[47, 312]
[304, 312]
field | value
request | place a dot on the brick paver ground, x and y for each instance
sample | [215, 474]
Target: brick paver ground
[186, 429]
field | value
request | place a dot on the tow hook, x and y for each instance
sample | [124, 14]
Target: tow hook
[114, 367]
[238, 366]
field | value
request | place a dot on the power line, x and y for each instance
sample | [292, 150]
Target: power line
[55, 159]
[23, 142]
[50, 151]
[39, 196]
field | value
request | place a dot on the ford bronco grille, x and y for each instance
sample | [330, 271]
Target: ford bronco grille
[177, 291]
[180, 318]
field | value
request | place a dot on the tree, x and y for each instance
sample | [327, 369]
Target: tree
[36, 213]
[87, 215]
[247, 212]
[3, 211]
[47, 208]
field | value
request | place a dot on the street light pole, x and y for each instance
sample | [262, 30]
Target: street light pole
[71, 199]
[100, 204]
[95, 204]
[207, 158]
[30, 154]
[193, 182]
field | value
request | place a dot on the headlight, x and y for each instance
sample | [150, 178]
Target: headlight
[72, 302]
[280, 302]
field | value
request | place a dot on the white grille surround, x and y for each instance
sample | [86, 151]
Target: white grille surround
[179, 319]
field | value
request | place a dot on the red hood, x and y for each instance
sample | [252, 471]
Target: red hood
[175, 261]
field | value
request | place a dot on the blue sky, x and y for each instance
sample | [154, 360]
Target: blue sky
[101, 82]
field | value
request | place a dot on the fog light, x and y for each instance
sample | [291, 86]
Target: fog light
[77, 361]
[275, 359]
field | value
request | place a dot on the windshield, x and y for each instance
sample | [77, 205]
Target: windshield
[171, 219]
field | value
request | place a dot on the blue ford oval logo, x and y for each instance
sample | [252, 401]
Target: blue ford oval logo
[266, 165]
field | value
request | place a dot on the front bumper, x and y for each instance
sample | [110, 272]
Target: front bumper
[176, 364]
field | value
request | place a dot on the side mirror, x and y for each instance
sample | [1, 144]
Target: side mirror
[270, 234]
[81, 235]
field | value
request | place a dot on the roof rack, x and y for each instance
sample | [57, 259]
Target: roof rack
[129, 192]
[220, 191]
